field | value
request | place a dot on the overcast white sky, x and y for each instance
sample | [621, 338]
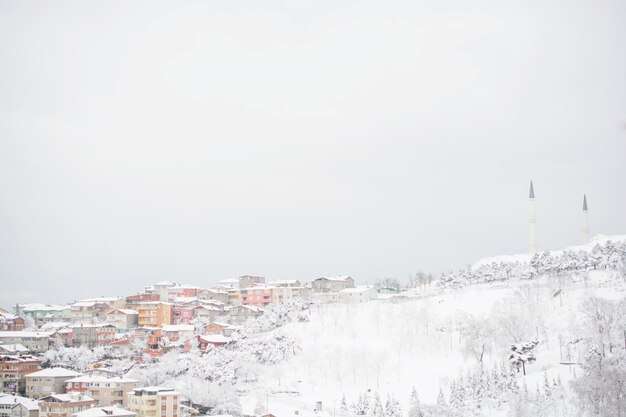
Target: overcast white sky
[197, 141]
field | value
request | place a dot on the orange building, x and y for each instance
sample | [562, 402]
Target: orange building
[155, 314]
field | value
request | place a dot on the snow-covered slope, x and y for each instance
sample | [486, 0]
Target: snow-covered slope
[388, 347]
[525, 257]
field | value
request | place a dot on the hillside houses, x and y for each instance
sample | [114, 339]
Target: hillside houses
[164, 315]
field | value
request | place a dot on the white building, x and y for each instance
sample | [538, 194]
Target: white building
[16, 406]
[123, 318]
[357, 295]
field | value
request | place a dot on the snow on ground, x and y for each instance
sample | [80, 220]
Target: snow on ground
[388, 346]
[525, 257]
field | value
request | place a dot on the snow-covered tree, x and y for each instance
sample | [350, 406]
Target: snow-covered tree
[392, 407]
[522, 354]
[415, 408]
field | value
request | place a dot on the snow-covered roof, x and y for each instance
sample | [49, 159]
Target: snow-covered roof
[225, 325]
[85, 325]
[54, 372]
[20, 334]
[54, 325]
[100, 378]
[215, 291]
[185, 300]
[340, 278]
[249, 307]
[210, 308]
[187, 286]
[123, 311]
[104, 412]
[164, 284]
[7, 315]
[356, 290]
[178, 328]
[160, 390]
[84, 304]
[101, 299]
[215, 338]
[14, 348]
[153, 303]
[214, 302]
[284, 282]
[228, 281]
[43, 307]
[6, 399]
[68, 398]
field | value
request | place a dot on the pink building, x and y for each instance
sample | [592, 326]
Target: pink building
[257, 296]
[182, 315]
[183, 291]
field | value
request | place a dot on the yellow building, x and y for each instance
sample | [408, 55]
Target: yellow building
[153, 402]
[155, 314]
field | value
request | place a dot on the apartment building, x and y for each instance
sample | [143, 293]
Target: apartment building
[257, 296]
[92, 335]
[332, 284]
[10, 322]
[154, 402]
[123, 319]
[182, 291]
[155, 314]
[241, 314]
[64, 405]
[214, 294]
[34, 341]
[132, 301]
[207, 312]
[13, 371]
[44, 313]
[177, 332]
[105, 391]
[246, 281]
[89, 311]
[182, 314]
[16, 406]
[48, 381]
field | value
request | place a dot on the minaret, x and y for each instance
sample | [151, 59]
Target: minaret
[585, 220]
[532, 220]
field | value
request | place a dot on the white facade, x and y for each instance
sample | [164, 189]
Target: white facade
[358, 295]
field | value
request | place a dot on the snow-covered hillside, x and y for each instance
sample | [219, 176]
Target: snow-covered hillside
[505, 342]
[525, 257]
[388, 347]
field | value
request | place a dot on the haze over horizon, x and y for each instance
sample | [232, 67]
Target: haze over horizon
[196, 142]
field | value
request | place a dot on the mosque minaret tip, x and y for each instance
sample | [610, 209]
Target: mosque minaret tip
[532, 220]
[585, 220]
